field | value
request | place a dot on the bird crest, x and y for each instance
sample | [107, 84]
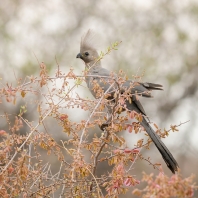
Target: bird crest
[88, 41]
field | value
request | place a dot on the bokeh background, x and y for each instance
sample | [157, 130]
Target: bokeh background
[159, 40]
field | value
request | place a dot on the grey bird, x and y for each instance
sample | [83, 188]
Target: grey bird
[99, 77]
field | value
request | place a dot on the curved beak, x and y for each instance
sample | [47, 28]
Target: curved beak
[79, 55]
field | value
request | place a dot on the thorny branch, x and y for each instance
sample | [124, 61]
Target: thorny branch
[27, 174]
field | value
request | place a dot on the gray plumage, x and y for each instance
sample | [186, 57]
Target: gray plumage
[97, 75]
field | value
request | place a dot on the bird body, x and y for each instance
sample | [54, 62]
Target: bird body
[100, 80]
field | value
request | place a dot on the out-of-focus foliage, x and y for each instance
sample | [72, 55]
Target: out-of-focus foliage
[159, 40]
[163, 186]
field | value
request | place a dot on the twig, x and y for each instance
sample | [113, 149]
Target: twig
[81, 137]
[33, 130]
[98, 153]
[133, 161]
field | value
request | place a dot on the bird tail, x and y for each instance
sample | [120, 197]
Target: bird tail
[167, 156]
[153, 86]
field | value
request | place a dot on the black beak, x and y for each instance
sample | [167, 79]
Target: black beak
[79, 55]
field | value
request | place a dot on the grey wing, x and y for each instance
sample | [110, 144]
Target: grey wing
[142, 89]
[102, 77]
[139, 89]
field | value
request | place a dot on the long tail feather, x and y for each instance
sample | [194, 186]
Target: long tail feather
[153, 86]
[167, 156]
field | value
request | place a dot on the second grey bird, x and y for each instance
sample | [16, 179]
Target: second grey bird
[98, 78]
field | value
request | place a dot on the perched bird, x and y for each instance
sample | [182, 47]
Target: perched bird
[99, 78]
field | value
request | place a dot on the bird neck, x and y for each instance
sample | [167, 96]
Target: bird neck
[93, 64]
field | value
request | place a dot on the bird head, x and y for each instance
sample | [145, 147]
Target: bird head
[88, 52]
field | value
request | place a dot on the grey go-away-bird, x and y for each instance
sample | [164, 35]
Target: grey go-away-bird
[97, 75]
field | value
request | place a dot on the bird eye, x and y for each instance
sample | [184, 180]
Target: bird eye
[86, 53]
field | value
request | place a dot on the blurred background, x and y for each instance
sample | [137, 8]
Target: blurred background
[159, 40]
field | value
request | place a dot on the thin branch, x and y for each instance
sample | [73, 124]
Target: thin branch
[81, 137]
[33, 130]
